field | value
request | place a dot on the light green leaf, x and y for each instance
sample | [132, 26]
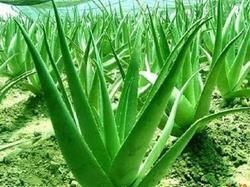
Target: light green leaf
[164, 164]
[76, 152]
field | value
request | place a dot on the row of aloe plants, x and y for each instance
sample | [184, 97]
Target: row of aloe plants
[126, 74]
[112, 35]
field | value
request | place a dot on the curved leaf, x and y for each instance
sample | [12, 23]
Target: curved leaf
[74, 148]
[161, 168]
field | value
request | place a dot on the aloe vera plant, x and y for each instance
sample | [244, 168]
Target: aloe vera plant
[96, 141]
[16, 60]
[236, 66]
[197, 98]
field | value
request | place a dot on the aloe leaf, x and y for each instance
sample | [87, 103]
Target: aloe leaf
[195, 59]
[136, 144]
[208, 38]
[238, 93]
[110, 129]
[166, 67]
[95, 99]
[238, 63]
[82, 108]
[243, 75]
[110, 62]
[186, 73]
[127, 108]
[118, 61]
[5, 64]
[76, 152]
[185, 111]
[156, 42]
[58, 77]
[119, 29]
[160, 144]
[164, 164]
[204, 102]
[218, 39]
[239, 23]
[12, 82]
[83, 73]
[165, 49]
[114, 88]
[96, 103]
[15, 48]
[227, 24]
[223, 82]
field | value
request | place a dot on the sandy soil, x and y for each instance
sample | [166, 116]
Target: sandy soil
[29, 154]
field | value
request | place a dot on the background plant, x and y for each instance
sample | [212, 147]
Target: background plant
[197, 98]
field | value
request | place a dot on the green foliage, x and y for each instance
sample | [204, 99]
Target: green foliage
[110, 79]
[224, 48]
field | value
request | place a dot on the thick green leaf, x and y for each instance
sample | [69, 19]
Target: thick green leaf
[165, 134]
[228, 23]
[164, 164]
[165, 69]
[243, 75]
[239, 93]
[186, 73]
[82, 108]
[136, 144]
[85, 72]
[118, 61]
[127, 108]
[203, 105]
[110, 129]
[76, 152]
[218, 39]
[12, 82]
[156, 42]
[237, 66]
[223, 82]
[57, 73]
[165, 48]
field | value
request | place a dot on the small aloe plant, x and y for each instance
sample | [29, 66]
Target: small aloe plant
[197, 98]
[236, 67]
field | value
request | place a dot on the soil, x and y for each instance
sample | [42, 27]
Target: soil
[30, 156]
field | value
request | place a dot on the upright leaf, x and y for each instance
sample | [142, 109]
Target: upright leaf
[82, 108]
[74, 148]
[136, 144]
